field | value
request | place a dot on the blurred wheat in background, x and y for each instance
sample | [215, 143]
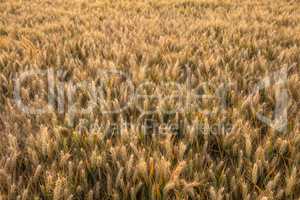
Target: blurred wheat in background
[197, 127]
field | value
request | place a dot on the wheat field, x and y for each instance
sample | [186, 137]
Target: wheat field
[158, 99]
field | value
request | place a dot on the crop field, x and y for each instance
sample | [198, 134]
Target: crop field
[149, 99]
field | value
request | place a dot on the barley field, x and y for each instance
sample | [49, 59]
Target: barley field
[149, 99]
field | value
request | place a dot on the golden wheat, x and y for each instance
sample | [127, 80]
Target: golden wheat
[195, 85]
